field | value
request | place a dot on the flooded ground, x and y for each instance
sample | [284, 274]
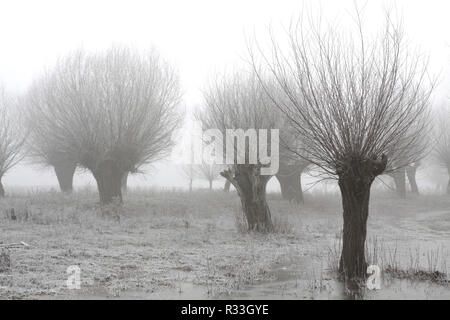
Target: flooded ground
[178, 246]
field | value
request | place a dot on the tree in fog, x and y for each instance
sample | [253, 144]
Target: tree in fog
[109, 112]
[208, 172]
[399, 176]
[12, 135]
[442, 141]
[45, 151]
[359, 104]
[239, 102]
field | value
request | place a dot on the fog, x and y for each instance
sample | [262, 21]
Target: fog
[199, 37]
[249, 149]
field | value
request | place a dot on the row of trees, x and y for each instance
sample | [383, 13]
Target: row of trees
[109, 113]
[353, 106]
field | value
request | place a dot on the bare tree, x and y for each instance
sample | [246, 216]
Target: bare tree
[208, 172]
[43, 151]
[12, 135]
[359, 104]
[110, 112]
[239, 102]
[442, 141]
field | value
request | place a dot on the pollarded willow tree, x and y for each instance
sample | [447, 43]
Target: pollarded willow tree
[110, 112]
[238, 104]
[359, 104]
[442, 141]
[12, 135]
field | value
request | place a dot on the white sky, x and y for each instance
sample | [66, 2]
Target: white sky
[198, 36]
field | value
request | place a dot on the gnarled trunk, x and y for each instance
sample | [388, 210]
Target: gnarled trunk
[355, 179]
[290, 179]
[291, 187]
[109, 181]
[355, 202]
[251, 188]
[2, 190]
[226, 187]
[411, 173]
[64, 171]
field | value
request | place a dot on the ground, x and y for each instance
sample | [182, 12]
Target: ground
[180, 245]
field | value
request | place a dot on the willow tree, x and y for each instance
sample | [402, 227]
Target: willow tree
[208, 172]
[358, 102]
[110, 112]
[238, 104]
[12, 135]
[43, 150]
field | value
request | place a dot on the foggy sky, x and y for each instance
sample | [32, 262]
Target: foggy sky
[198, 36]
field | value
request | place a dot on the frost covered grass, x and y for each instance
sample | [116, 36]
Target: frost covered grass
[173, 244]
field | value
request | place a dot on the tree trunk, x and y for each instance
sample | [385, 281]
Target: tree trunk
[289, 177]
[400, 182]
[109, 181]
[190, 185]
[64, 171]
[291, 187]
[251, 188]
[355, 179]
[355, 201]
[411, 173]
[226, 187]
[210, 184]
[2, 190]
[124, 181]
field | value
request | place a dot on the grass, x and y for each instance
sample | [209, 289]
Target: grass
[176, 244]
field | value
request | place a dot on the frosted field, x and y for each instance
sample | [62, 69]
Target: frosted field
[176, 245]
